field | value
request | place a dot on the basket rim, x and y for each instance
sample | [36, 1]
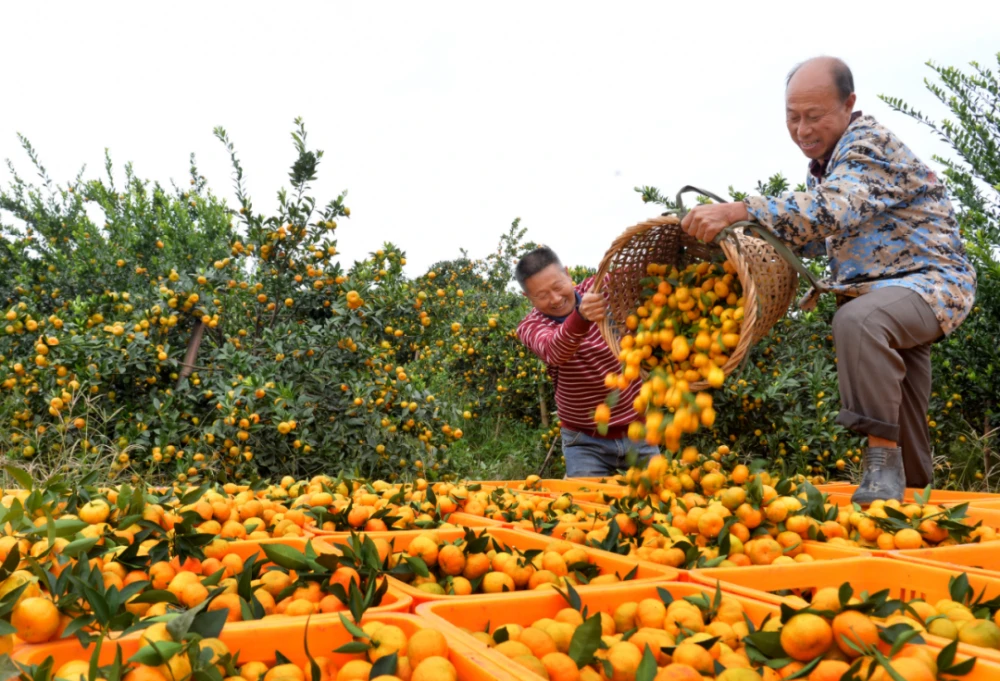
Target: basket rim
[749, 334]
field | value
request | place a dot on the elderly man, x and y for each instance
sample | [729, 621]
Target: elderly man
[897, 265]
[562, 331]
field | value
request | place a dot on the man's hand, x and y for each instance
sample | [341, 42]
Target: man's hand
[593, 307]
[705, 222]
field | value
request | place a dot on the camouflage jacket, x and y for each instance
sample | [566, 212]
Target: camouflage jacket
[883, 218]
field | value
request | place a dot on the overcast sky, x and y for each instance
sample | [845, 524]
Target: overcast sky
[447, 120]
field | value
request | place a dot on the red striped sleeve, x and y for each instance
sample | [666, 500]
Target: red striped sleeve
[582, 359]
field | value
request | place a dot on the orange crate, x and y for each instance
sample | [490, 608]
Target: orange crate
[986, 503]
[605, 480]
[833, 486]
[524, 608]
[584, 490]
[905, 580]
[609, 563]
[459, 519]
[976, 559]
[841, 495]
[267, 638]
[393, 600]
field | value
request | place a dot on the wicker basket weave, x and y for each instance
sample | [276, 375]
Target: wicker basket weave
[769, 281]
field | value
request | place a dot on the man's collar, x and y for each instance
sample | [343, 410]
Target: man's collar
[818, 166]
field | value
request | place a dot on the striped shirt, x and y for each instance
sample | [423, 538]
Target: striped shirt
[577, 359]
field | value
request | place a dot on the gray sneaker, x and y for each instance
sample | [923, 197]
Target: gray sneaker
[883, 476]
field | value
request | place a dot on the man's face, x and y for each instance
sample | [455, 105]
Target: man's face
[551, 291]
[815, 115]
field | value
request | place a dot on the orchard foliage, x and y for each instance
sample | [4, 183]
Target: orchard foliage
[301, 364]
[964, 406]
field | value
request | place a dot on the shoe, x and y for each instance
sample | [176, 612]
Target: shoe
[883, 476]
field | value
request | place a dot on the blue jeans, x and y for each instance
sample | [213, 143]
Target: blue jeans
[591, 457]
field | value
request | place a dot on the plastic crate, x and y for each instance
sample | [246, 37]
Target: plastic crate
[975, 559]
[905, 580]
[288, 636]
[609, 563]
[524, 608]
[841, 495]
[459, 519]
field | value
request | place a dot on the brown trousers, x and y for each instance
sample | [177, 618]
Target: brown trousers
[883, 342]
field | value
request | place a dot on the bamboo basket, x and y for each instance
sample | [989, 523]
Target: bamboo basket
[767, 271]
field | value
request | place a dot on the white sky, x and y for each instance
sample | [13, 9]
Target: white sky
[447, 120]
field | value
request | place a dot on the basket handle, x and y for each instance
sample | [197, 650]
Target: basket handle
[681, 211]
[784, 251]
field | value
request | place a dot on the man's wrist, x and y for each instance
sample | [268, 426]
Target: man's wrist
[739, 212]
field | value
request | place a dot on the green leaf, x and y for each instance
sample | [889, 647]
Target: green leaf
[385, 665]
[214, 578]
[157, 596]
[845, 593]
[585, 641]
[354, 629]
[767, 642]
[962, 668]
[353, 647]
[22, 476]
[285, 556]
[181, 625]
[156, 653]
[78, 546]
[418, 566]
[665, 595]
[807, 670]
[947, 656]
[647, 668]
[959, 589]
[62, 527]
[210, 623]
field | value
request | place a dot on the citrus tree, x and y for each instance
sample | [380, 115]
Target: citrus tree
[173, 334]
[964, 407]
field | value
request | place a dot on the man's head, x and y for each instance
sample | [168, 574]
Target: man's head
[546, 283]
[819, 99]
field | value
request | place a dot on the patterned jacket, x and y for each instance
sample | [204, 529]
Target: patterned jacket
[884, 219]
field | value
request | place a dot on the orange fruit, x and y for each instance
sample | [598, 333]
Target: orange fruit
[678, 672]
[425, 644]
[230, 602]
[140, 673]
[476, 565]
[539, 642]
[36, 619]
[355, 670]
[344, 576]
[828, 670]
[561, 667]
[425, 548]
[451, 560]
[434, 669]
[852, 626]
[497, 582]
[193, 594]
[806, 636]
[908, 539]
